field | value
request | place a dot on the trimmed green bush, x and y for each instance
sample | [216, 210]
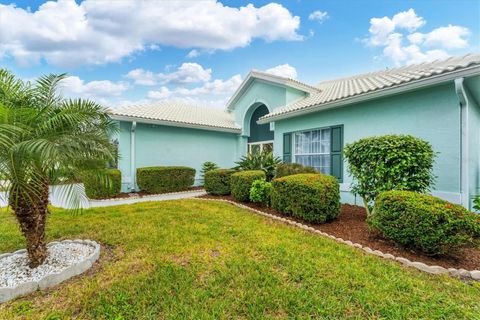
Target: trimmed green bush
[423, 222]
[217, 181]
[165, 179]
[241, 182]
[390, 162]
[476, 203]
[288, 169]
[312, 197]
[105, 184]
[261, 191]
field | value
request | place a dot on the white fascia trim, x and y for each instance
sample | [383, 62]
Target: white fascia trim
[410, 86]
[269, 79]
[174, 124]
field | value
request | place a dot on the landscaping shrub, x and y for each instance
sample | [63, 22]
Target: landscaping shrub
[241, 182]
[288, 169]
[102, 184]
[261, 192]
[423, 222]
[312, 197]
[390, 162]
[476, 203]
[264, 161]
[208, 166]
[217, 181]
[165, 179]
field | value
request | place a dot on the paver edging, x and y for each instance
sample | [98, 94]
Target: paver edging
[9, 293]
[432, 269]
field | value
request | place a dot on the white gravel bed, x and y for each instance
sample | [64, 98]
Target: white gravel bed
[14, 269]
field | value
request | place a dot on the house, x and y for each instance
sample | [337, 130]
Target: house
[310, 124]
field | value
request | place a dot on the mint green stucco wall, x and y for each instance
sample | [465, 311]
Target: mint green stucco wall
[473, 91]
[432, 114]
[158, 145]
[260, 92]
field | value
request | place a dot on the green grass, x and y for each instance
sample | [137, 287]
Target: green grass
[192, 259]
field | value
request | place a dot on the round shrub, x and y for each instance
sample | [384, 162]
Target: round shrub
[241, 182]
[106, 184]
[390, 162]
[165, 179]
[261, 192]
[312, 197]
[217, 181]
[288, 169]
[423, 222]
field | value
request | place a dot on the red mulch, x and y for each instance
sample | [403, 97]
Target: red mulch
[140, 194]
[351, 225]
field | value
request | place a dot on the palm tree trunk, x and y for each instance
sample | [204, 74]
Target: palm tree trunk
[31, 213]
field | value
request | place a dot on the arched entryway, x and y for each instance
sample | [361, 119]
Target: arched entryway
[261, 137]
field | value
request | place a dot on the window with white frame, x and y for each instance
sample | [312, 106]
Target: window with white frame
[312, 148]
[259, 147]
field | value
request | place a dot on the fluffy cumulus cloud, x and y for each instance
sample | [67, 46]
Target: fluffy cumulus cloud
[95, 32]
[283, 70]
[403, 44]
[100, 90]
[186, 73]
[318, 15]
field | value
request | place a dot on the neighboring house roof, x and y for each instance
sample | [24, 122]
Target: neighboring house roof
[255, 74]
[179, 115]
[362, 87]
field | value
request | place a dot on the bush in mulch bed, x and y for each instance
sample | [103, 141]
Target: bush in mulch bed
[165, 179]
[312, 197]
[217, 181]
[104, 184]
[241, 183]
[423, 222]
[261, 192]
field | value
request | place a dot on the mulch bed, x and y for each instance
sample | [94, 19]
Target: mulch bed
[141, 194]
[351, 225]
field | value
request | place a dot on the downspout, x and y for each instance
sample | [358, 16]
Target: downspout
[464, 141]
[132, 156]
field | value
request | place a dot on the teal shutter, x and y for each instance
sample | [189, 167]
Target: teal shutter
[287, 147]
[336, 149]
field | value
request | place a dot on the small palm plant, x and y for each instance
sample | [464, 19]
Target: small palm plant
[45, 140]
[265, 161]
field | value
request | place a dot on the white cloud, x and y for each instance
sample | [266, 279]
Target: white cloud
[98, 90]
[193, 54]
[283, 70]
[95, 32]
[393, 34]
[318, 15]
[187, 73]
[212, 93]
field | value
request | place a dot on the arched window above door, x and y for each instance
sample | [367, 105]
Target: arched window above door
[261, 137]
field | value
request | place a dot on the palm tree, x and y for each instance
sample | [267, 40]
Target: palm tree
[46, 140]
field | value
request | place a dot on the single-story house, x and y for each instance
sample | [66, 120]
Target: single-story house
[310, 124]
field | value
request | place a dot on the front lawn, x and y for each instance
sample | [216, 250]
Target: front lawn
[199, 259]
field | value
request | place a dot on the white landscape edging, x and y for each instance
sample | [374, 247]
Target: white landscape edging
[473, 274]
[9, 293]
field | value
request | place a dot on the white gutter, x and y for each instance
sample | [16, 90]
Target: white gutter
[174, 124]
[412, 85]
[133, 172]
[464, 141]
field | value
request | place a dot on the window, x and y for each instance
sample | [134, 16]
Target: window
[313, 148]
[258, 147]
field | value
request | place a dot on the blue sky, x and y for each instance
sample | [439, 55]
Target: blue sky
[123, 52]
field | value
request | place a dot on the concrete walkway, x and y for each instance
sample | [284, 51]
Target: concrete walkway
[58, 197]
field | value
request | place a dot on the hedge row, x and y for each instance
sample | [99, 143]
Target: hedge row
[103, 184]
[165, 179]
[217, 181]
[241, 183]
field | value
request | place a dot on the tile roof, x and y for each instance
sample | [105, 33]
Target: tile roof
[180, 114]
[336, 90]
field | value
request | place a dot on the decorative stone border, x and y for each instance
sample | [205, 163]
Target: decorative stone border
[147, 196]
[51, 280]
[462, 273]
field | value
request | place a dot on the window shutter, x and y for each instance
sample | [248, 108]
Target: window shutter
[336, 149]
[287, 147]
